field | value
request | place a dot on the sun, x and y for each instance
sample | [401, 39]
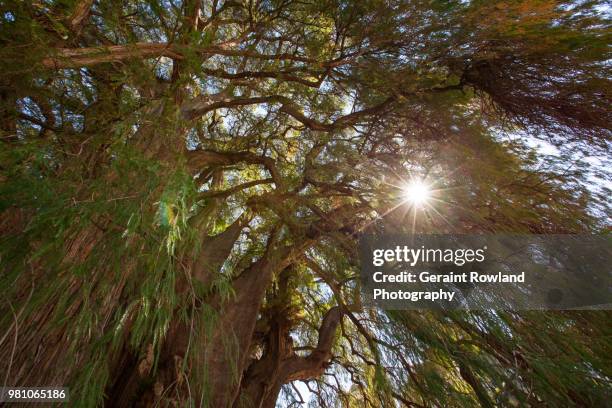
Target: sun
[416, 192]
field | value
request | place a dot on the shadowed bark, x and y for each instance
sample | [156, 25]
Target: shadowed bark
[280, 364]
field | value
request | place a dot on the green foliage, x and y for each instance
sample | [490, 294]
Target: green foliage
[154, 157]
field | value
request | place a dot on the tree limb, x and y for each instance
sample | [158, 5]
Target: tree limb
[83, 57]
[194, 109]
[235, 189]
[313, 365]
[88, 56]
[79, 16]
[198, 159]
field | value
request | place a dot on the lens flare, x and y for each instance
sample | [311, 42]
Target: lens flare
[416, 192]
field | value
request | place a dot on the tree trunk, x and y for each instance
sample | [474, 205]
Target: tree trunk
[280, 364]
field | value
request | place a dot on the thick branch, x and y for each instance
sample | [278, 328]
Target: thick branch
[286, 75]
[235, 189]
[195, 109]
[82, 57]
[198, 159]
[312, 366]
[80, 14]
[238, 316]
[215, 250]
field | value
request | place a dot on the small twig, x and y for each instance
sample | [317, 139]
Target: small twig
[298, 393]
[122, 198]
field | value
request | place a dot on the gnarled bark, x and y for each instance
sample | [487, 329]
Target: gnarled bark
[280, 364]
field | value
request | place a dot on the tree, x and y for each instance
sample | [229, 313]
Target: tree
[184, 182]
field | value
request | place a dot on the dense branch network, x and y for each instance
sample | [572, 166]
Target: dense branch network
[194, 178]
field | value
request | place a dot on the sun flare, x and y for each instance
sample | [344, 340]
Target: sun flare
[417, 192]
